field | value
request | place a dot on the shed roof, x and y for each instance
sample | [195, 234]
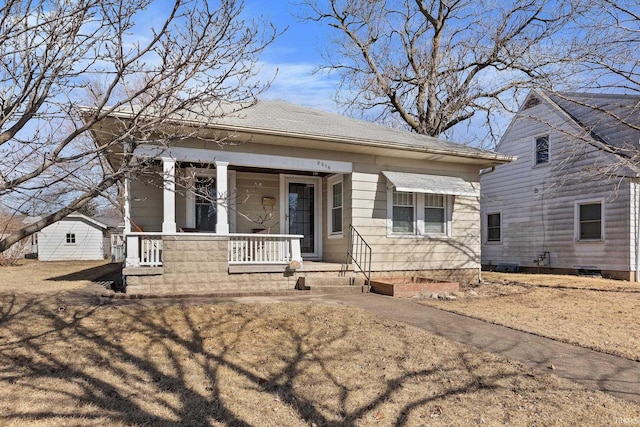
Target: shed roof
[84, 218]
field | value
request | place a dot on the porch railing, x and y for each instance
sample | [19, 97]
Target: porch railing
[359, 252]
[145, 249]
[264, 248]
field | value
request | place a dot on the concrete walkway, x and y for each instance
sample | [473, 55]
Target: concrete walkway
[595, 370]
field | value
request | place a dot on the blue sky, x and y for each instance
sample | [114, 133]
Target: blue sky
[295, 55]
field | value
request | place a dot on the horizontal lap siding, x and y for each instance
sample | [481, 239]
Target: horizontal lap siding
[146, 202]
[251, 214]
[460, 250]
[334, 248]
[53, 246]
[537, 203]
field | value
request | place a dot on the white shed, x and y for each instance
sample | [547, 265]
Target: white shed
[76, 237]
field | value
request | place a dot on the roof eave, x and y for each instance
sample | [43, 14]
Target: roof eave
[491, 157]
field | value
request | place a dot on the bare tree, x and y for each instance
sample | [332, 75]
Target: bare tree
[606, 61]
[608, 54]
[109, 56]
[433, 65]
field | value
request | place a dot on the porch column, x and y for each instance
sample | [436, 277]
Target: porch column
[222, 199]
[127, 206]
[133, 251]
[169, 195]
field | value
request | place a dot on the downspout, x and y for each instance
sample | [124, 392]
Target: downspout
[126, 196]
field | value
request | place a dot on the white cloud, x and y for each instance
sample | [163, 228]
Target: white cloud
[296, 83]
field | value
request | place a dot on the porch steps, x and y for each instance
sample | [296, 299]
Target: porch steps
[332, 285]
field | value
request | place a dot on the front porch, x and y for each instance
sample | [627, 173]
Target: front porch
[190, 263]
[226, 220]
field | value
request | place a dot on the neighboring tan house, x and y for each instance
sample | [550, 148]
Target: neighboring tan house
[569, 203]
[291, 188]
[76, 237]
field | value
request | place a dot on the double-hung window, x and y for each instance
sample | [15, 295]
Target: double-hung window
[435, 219]
[403, 219]
[493, 227]
[589, 220]
[335, 201]
[542, 150]
[419, 213]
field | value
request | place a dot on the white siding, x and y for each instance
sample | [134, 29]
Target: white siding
[537, 202]
[53, 246]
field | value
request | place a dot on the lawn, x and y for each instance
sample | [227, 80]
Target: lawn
[595, 313]
[287, 364]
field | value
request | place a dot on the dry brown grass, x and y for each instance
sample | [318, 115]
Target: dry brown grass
[276, 364]
[32, 276]
[595, 313]
[250, 364]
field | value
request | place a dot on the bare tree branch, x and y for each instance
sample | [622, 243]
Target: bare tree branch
[437, 64]
[69, 66]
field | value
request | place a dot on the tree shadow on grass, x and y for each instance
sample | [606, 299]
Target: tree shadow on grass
[105, 272]
[227, 365]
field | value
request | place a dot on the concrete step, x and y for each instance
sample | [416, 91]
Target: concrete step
[339, 289]
[325, 281]
[332, 285]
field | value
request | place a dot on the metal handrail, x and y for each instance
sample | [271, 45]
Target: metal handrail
[359, 252]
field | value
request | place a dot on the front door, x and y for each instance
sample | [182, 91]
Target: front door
[302, 213]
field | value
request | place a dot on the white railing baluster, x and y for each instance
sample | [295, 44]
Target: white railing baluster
[262, 249]
[145, 249]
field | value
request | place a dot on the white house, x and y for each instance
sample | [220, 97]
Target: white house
[276, 192]
[76, 237]
[570, 201]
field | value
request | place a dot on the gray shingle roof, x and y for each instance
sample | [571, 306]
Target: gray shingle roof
[612, 118]
[283, 118]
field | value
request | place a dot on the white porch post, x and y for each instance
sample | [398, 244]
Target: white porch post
[133, 251]
[222, 199]
[296, 255]
[169, 195]
[127, 206]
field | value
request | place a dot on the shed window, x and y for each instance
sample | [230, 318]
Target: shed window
[493, 227]
[542, 150]
[71, 238]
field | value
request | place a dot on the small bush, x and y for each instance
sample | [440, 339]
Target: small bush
[14, 254]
